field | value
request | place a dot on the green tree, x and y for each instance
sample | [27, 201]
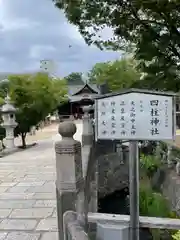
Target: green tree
[4, 87]
[2, 130]
[1, 101]
[150, 27]
[2, 95]
[118, 74]
[34, 99]
[74, 78]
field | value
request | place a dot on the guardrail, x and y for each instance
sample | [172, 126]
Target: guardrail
[73, 230]
[145, 222]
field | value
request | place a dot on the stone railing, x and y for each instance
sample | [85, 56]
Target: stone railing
[77, 184]
[73, 230]
[76, 195]
[73, 166]
[145, 222]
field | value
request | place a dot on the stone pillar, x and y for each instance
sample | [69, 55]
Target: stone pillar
[87, 142]
[158, 151]
[87, 137]
[69, 172]
[178, 167]
[87, 133]
[169, 157]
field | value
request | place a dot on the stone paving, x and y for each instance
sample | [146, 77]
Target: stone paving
[27, 193]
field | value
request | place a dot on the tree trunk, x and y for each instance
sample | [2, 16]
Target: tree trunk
[23, 138]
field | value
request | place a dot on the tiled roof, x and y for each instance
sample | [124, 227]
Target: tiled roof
[73, 89]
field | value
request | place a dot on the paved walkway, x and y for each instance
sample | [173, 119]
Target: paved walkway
[27, 193]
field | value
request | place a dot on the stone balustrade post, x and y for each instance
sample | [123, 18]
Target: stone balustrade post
[169, 157]
[87, 133]
[87, 142]
[158, 151]
[69, 180]
[87, 136]
[178, 167]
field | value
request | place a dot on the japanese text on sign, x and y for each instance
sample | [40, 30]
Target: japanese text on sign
[135, 116]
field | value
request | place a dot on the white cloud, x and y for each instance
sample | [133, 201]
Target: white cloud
[41, 51]
[32, 30]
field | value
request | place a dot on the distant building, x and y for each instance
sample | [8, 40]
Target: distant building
[79, 96]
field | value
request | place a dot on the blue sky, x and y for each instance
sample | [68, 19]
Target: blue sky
[33, 30]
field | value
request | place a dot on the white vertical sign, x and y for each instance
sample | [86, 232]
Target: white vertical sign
[135, 116]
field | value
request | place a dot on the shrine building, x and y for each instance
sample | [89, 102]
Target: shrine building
[79, 96]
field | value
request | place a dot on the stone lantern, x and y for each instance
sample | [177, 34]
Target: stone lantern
[9, 122]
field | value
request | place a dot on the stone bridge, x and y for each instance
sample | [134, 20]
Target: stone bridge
[112, 159]
[27, 189]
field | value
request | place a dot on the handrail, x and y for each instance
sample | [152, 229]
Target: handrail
[74, 231]
[87, 184]
[145, 222]
[72, 227]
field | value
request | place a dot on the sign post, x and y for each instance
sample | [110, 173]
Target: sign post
[134, 190]
[135, 115]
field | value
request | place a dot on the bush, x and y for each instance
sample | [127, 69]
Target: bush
[155, 205]
[176, 236]
[149, 164]
[152, 204]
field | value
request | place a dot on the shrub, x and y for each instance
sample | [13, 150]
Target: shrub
[149, 164]
[152, 204]
[176, 236]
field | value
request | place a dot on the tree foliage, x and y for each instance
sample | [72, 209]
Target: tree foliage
[2, 131]
[151, 27]
[176, 236]
[34, 98]
[2, 95]
[1, 101]
[118, 74]
[74, 78]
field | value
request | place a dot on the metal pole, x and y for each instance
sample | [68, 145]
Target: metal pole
[134, 189]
